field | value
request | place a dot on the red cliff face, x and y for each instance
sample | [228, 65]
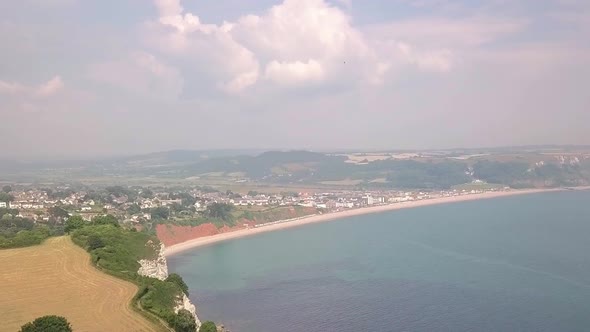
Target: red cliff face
[171, 234]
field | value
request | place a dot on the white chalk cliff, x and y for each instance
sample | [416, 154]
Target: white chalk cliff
[158, 268]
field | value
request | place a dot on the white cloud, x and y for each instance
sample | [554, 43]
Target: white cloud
[48, 89]
[50, 97]
[208, 47]
[311, 40]
[300, 42]
[168, 8]
[296, 41]
[294, 72]
[140, 73]
[11, 88]
[436, 61]
[436, 33]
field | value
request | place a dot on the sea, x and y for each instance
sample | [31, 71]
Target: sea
[518, 263]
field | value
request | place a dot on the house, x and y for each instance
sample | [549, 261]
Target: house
[167, 202]
[3, 205]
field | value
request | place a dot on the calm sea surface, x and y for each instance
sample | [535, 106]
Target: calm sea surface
[519, 263]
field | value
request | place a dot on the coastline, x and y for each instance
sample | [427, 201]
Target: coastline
[284, 224]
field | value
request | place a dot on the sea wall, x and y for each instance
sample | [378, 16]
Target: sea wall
[158, 268]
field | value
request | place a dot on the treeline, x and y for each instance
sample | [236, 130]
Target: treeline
[116, 251]
[16, 232]
[219, 214]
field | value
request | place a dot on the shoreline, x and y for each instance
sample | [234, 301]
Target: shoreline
[312, 219]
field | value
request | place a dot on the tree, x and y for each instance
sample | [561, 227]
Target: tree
[73, 223]
[106, 220]
[7, 189]
[186, 199]
[184, 321]
[47, 324]
[134, 209]
[58, 212]
[146, 193]
[175, 278]
[160, 213]
[208, 326]
[95, 242]
[4, 197]
[117, 191]
[219, 211]
[8, 212]
[176, 208]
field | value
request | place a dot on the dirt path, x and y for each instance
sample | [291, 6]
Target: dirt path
[57, 278]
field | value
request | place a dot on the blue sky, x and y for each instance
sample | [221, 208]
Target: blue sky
[86, 78]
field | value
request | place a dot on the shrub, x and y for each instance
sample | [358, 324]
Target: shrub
[47, 324]
[184, 321]
[94, 242]
[208, 326]
[175, 278]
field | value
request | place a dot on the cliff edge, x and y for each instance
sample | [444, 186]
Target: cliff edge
[158, 268]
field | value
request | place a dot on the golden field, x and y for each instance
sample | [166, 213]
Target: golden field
[57, 278]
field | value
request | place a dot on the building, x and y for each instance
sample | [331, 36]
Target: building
[368, 200]
[3, 205]
[168, 202]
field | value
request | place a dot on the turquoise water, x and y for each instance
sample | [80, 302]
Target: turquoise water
[518, 263]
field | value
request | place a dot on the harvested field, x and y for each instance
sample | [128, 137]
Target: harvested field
[57, 278]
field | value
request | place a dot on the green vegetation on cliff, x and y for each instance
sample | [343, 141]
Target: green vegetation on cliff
[117, 251]
[120, 250]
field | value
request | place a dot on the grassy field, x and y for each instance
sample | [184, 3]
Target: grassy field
[57, 278]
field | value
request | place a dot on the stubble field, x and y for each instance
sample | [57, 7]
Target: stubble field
[57, 278]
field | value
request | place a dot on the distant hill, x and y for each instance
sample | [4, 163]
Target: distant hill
[438, 169]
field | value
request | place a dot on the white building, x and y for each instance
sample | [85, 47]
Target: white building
[3, 205]
[368, 200]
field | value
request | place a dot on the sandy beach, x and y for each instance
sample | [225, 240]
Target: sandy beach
[180, 247]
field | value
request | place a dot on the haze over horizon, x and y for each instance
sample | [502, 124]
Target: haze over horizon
[80, 78]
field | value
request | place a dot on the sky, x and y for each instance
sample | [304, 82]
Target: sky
[116, 77]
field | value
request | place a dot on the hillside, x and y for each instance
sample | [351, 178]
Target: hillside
[49, 279]
[441, 169]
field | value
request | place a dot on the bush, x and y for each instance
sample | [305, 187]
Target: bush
[94, 242]
[184, 321]
[208, 326]
[175, 278]
[105, 220]
[47, 324]
[160, 298]
[73, 223]
[116, 250]
[18, 232]
[160, 213]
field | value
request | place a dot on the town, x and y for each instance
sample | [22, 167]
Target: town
[142, 207]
